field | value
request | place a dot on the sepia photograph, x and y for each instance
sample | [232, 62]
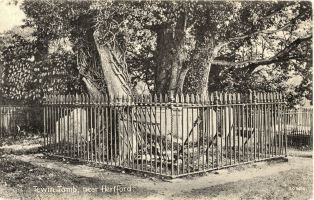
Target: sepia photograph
[156, 99]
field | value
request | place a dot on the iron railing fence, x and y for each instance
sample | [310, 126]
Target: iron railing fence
[20, 119]
[299, 126]
[169, 136]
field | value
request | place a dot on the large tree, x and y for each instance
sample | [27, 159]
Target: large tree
[172, 44]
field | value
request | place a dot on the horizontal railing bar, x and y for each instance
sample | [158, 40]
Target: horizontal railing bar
[172, 104]
[228, 166]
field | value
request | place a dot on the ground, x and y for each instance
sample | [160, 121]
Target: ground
[26, 173]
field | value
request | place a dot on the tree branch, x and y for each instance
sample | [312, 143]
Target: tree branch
[279, 57]
[292, 21]
[260, 32]
[276, 11]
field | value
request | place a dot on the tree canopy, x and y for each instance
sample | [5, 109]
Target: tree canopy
[175, 47]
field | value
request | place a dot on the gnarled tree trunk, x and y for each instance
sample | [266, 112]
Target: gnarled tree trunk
[114, 68]
[171, 55]
[210, 55]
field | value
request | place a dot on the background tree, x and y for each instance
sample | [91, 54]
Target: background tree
[26, 79]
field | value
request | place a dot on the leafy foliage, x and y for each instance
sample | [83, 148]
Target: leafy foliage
[27, 80]
[246, 45]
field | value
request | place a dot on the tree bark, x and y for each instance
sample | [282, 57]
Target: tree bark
[181, 80]
[212, 53]
[114, 68]
[170, 75]
[91, 88]
[102, 66]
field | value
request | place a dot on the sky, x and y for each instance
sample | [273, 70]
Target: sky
[10, 15]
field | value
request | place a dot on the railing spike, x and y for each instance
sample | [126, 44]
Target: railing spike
[155, 98]
[99, 98]
[238, 98]
[202, 99]
[144, 98]
[197, 98]
[192, 98]
[76, 98]
[160, 98]
[123, 100]
[102, 99]
[211, 98]
[254, 97]
[216, 97]
[106, 100]
[150, 97]
[171, 95]
[64, 99]
[87, 99]
[182, 98]
[221, 97]
[259, 97]
[225, 101]
[80, 99]
[57, 99]
[250, 96]
[73, 99]
[83, 99]
[134, 98]
[91, 98]
[114, 98]
[94, 99]
[275, 97]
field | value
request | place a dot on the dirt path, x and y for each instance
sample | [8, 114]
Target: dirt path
[264, 180]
